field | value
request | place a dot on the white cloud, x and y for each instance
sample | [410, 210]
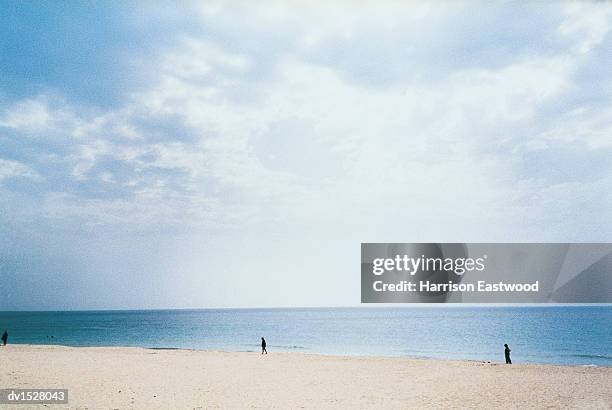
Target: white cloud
[30, 115]
[585, 127]
[14, 169]
[588, 23]
[431, 137]
[195, 59]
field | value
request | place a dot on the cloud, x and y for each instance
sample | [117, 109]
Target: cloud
[28, 115]
[588, 23]
[355, 134]
[196, 59]
[14, 169]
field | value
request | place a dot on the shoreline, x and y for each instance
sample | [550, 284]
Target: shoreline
[411, 357]
[139, 377]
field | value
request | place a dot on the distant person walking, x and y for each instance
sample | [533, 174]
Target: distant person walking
[507, 354]
[4, 337]
[263, 346]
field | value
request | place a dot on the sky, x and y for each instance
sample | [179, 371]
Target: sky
[236, 154]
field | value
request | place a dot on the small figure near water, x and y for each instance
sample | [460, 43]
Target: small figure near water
[4, 337]
[263, 346]
[507, 354]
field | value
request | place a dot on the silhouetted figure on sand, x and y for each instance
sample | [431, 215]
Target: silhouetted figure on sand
[4, 337]
[507, 354]
[263, 346]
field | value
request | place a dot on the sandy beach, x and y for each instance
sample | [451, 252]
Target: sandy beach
[120, 378]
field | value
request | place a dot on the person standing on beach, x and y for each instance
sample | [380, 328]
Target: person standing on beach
[263, 346]
[4, 337]
[507, 354]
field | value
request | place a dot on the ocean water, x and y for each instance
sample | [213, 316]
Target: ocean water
[577, 335]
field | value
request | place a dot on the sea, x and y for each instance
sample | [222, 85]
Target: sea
[565, 335]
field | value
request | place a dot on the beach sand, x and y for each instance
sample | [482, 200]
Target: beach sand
[121, 378]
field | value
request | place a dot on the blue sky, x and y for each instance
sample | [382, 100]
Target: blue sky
[236, 154]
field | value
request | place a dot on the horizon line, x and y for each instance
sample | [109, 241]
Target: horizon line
[361, 306]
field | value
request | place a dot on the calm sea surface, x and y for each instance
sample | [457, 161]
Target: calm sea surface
[559, 335]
